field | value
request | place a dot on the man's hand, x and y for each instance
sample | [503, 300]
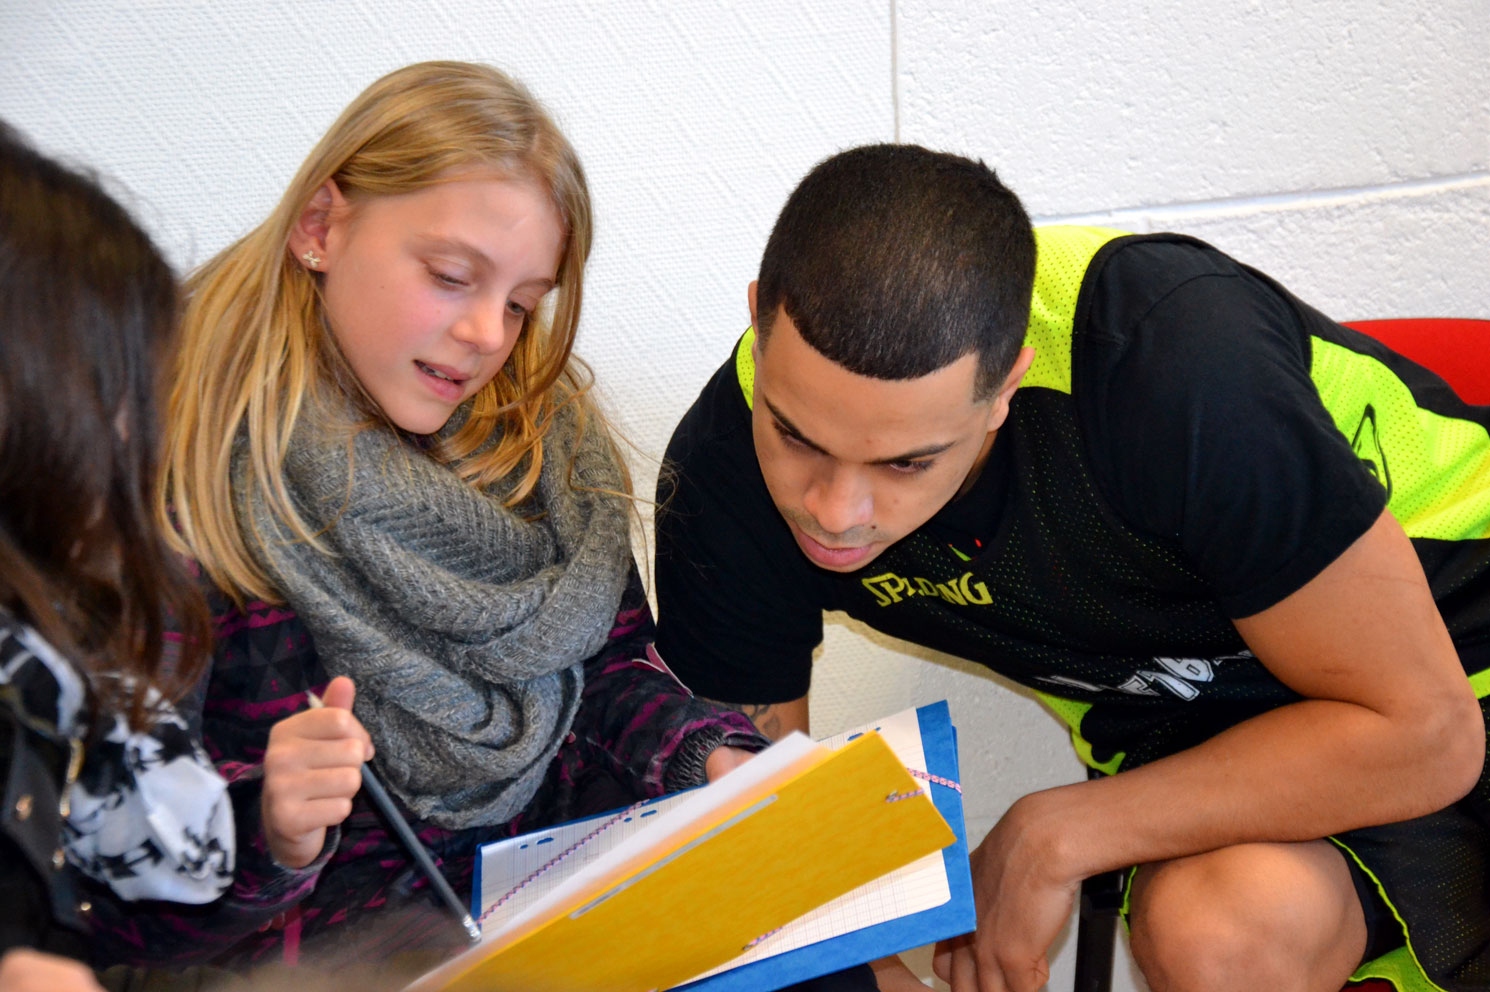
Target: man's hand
[312, 769]
[1023, 895]
[25, 970]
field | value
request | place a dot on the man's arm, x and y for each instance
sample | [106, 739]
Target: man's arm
[1389, 729]
[775, 720]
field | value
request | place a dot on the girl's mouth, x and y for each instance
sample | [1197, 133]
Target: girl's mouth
[436, 373]
[441, 383]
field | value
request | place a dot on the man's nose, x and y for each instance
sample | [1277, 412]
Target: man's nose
[839, 500]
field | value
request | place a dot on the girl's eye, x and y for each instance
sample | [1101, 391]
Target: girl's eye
[447, 278]
[517, 309]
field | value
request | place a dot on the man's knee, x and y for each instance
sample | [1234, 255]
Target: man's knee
[1191, 928]
[1278, 916]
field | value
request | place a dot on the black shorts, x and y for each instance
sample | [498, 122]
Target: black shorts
[1383, 931]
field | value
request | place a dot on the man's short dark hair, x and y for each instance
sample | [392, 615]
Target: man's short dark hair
[894, 261]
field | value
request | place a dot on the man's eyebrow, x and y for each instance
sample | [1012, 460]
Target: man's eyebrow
[796, 433]
[791, 428]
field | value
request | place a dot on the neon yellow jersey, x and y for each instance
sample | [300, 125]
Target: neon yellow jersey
[1192, 444]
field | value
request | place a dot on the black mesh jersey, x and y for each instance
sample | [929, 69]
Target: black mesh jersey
[1191, 474]
[1220, 443]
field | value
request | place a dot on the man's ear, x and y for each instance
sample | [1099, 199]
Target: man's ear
[309, 236]
[999, 410]
[755, 346]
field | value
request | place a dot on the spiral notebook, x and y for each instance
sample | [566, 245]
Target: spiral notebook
[925, 900]
[928, 900]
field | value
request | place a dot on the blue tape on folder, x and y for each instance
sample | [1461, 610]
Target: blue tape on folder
[953, 917]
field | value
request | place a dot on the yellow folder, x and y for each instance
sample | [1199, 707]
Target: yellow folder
[831, 822]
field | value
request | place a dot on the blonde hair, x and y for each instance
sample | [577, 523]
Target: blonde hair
[254, 344]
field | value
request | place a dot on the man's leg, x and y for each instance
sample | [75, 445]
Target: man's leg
[1284, 917]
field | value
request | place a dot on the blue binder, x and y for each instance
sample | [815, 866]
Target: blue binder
[953, 917]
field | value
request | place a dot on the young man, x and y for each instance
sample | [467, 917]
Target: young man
[1148, 482]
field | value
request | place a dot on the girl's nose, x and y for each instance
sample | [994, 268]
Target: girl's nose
[485, 327]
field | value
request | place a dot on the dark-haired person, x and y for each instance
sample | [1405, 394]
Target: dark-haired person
[102, 779]
[1242, 550]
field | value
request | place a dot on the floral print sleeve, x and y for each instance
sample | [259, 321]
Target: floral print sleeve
[145, 812]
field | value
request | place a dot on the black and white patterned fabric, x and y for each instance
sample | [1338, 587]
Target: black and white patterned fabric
[147, 814]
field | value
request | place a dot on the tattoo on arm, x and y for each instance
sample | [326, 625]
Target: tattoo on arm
[765, 716]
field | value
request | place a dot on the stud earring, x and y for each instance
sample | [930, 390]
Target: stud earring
[311, 258]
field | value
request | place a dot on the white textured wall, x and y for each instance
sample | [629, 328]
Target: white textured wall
[1344, 146]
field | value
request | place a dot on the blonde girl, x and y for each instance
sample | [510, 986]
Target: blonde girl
[384, 458]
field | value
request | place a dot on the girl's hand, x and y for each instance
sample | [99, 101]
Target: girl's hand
[312, 769]
[25, 970]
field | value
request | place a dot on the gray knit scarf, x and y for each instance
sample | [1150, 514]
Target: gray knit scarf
[463, 623]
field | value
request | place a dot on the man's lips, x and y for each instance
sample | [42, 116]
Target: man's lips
[830, 557]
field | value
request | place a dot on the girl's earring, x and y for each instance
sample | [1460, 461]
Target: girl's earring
[311, 258]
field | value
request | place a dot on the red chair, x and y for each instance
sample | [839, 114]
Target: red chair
[1458, 351]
